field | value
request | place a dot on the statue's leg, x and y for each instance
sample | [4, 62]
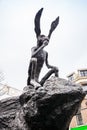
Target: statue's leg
[50, 72]
[33, 72]
[29, 73]
[34, 65]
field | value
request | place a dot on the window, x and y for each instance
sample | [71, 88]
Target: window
[83, 73]
[79, 117]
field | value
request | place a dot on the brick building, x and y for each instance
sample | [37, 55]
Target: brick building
[80, 77]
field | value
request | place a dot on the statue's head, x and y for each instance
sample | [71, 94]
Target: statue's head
[42, 38]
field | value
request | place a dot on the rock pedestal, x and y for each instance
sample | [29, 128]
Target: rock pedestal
[50, 107]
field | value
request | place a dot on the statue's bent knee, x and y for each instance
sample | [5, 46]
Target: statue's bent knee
[33, 59]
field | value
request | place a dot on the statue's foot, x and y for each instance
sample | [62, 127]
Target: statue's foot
[35, 84]
[56, 71]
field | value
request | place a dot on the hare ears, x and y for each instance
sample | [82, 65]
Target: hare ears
[37, 24]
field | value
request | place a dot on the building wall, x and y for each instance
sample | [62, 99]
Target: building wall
[7, 91]
[83, 113]
[80, 77]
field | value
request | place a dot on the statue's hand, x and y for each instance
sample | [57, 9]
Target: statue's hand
[56, 71]
[45, 42]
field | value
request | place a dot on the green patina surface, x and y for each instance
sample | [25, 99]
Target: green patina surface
[80, 128]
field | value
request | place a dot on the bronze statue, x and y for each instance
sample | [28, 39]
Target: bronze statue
[39, 56]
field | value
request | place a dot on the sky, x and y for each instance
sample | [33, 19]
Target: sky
[68, 44]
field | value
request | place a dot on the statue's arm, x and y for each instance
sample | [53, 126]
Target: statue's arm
[54, 69]
[46, 61]
[36, 50]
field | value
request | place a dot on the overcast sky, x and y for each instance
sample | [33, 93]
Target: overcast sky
[68, 45]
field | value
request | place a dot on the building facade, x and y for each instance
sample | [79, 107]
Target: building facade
[80, 77]
[7, 91]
